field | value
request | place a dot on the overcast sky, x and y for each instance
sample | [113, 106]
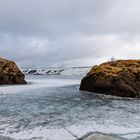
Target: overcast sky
[69, 32]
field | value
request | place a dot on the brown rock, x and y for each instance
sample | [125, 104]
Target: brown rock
[119, 78]
[10, 73]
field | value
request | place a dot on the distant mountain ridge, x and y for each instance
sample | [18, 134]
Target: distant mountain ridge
[56, 71]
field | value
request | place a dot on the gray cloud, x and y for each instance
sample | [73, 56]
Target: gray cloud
[69, 32]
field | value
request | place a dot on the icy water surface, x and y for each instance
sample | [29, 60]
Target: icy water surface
[54, 109]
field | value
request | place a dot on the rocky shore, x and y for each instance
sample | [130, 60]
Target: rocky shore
[119, 78]
[10, 73]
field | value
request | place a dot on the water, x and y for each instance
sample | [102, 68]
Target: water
[53, 108]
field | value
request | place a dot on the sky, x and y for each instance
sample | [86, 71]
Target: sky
[69, 32]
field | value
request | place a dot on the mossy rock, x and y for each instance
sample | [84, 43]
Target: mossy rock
[10, 73]
[119, 78]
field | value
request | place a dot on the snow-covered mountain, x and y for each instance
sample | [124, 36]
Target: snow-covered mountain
[57, 71]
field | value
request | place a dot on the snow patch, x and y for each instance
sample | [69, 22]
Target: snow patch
[36, 84]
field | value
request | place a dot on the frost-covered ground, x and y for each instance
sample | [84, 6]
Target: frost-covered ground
[53, 108]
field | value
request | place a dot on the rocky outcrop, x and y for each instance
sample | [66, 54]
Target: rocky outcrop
[9, 73]
[119, 78]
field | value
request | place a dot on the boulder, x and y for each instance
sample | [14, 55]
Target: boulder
[119, 78]
[100, 137]
[10, 73]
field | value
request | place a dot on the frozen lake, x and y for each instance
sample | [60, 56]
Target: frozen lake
[53, 108]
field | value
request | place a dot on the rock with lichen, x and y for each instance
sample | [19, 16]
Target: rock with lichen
[10, 73]
[119, 78]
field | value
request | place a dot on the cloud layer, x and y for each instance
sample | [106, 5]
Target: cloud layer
[69, 32]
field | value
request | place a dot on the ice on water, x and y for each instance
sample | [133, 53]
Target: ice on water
[53, 108]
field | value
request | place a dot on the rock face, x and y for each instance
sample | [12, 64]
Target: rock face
[9, 73]
[119, 78]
